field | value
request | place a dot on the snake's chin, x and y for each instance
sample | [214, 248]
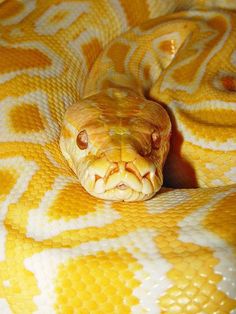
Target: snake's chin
[127, 195]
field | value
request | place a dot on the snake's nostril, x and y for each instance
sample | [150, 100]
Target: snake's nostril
[112, 169]
[97, 177]
[147, 175]
[130, 167]
[123, 168]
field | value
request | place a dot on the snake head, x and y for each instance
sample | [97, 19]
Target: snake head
[116, 142]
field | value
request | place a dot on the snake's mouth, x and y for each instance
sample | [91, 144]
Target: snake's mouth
[122, 186]
[126, 181]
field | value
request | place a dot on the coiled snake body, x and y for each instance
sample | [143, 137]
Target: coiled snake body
[121, 84]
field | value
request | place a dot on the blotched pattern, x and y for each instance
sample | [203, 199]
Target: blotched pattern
[64, 251]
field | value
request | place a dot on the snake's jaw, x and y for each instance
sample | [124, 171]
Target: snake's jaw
[122, 181]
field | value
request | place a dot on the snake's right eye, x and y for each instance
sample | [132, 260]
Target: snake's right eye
[82, 140]
[156, 140]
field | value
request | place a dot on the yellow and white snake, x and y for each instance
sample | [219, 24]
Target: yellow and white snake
[113, 85]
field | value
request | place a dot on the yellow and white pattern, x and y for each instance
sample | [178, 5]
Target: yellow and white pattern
[64, 251]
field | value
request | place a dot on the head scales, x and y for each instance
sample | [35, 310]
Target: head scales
[117, 142]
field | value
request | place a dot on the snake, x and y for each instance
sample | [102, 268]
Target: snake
[117, 156]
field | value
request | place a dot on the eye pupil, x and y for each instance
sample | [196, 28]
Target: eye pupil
[156, 140]
[82, 140]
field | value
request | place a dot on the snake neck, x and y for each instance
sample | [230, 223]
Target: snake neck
[137, 59]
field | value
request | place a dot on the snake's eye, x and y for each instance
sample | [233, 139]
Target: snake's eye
[82, 139]
[156, 139]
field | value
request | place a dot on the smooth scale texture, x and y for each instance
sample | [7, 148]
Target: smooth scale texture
[64, 251]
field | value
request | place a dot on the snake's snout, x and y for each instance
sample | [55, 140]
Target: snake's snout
[122, 179]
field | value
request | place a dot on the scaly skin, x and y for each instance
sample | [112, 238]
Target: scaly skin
[128, 142]
[177, 69]
[65, 251]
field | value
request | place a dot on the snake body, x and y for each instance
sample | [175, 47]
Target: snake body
[118, 84]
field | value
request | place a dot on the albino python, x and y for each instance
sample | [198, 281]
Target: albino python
[113, 85]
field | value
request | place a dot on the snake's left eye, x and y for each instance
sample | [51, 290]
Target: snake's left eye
[82, 140]
[156, 139]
